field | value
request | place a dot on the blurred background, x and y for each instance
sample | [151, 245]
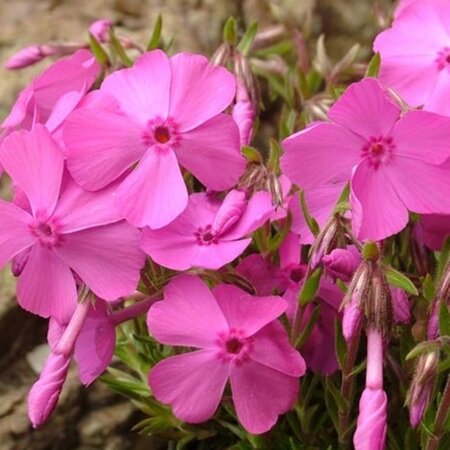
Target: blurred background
[94, 418]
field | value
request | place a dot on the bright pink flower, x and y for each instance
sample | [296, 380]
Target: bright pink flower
[66, 230]
[53, 94]
[415, 54]
[209, 233]
[167, 112]
[392, 161]
[239, 339]
[371, 427]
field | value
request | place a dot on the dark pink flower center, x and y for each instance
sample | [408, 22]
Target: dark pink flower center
[233, 346]
[443, 58]
[378, 150]
[46, 231]
[206, 236]
[296, 274]
[160, 133]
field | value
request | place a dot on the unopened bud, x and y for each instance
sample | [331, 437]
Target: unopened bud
[100, 29]
[342, 263]
[401, 306]
[243, 114]
[221, 56]
[379, 307]
[29, 56]
[230, 211]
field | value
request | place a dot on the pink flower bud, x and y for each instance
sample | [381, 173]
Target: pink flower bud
[230, 211]
[433, 322]
[400, 305]
[420, 397]
[243, 114]
[371, 426]
[352, 318]
[100, 29]
[44, 394]
[29, 56]
[342, 263]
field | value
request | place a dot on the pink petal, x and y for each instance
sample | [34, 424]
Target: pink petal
[78, 209]
[100, 146]
[15, 235]
[106, 258]
[439, 99]
[245, 312]
[154, 194]
[46, 286]
[95, 345]
[213, 144]
[423, 135]
[188, 315]
[19, 110]
[377, 211]
[321, 154]
[366, 109]
[290, 251]
[258, 211]
[35, 163]
[261, 394]
[199, 91]
[271, 347]
[192, 383]
[142, 90]
[435, 230]
[63, 107]
[423, 188]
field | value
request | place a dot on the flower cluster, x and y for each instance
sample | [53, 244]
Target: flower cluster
[135, 192]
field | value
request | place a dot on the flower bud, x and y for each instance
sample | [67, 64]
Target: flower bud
[44, 394]
[29, 56]
[243, 114]
[100, 29]
[230, 211]
[421, 386]
[342, 263]
[380, 314]
[400, 305]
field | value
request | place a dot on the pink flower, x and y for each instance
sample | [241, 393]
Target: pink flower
[415, 54]
[65, 230]
[238, 338]
[161, 112]
[209, 233]
[392, 161]
[52, 95]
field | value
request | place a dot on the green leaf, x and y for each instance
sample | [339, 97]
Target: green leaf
[155, 38]
[310, 287]
[444, 258]
[229, 31]
[310, 221]
[120, 51]
[306, 331]
[444, 320]
[396, 278]
[336, 393]
[374, 66]
[246, 42]
[274, 156]
[423, 347]
[251, 154]
[428, 288]
[100, 55]
[339, 344]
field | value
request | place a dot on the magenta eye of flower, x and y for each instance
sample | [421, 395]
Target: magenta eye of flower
[296, 274]
[378, 150]
[443, 58]
[206, 236]
[234, 345]
[45, 231]
[162, 135]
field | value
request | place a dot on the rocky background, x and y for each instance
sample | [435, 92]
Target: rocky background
[94, 418]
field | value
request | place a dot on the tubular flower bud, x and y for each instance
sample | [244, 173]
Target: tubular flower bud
[442, 295]
[29, 56]
[100, 29]
[243, 114]
[230, 211]
[342, 263]
[421, 386]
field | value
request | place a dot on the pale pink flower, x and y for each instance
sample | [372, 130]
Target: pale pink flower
[65, 229]
[161, 112]
[415, 54]
[238, 339]
[209, 233]
[393, 162]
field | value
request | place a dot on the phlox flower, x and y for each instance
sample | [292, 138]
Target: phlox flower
[237, 338]
[415, 54]
[64, 231]
[161, 113]
[209, 233]
[393, 162]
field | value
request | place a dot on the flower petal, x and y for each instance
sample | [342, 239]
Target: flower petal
[271, 347]
[213, 144]
[142, 90]
[154, 194]
[439, 99]
[192, 383]
[199, 91]
[106, 258]
[366, 109]
[377, 211]
[46, 285]
[245, 312]
[188, 315]
[321, 154]
[35, 163]
[261, 394]
[15, 235]
[100, 145]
